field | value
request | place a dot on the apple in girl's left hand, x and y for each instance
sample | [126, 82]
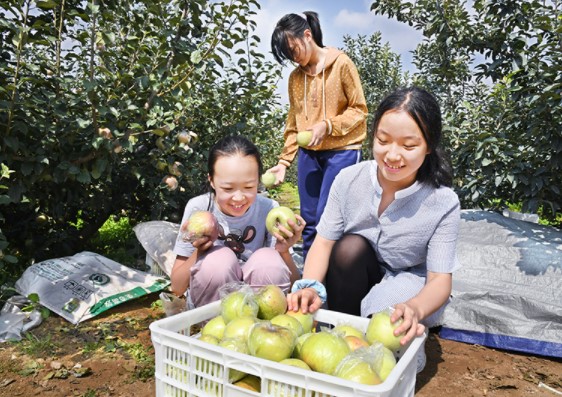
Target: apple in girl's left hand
[279, 216]
[304, 138]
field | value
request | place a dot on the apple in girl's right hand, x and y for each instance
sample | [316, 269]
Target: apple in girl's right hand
[268, 179]
[201, 224]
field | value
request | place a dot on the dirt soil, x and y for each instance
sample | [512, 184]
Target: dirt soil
[112, 355]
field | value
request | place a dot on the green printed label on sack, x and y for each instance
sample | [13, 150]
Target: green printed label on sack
[117, 299]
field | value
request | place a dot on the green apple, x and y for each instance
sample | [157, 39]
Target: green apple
[356, 369]
[380, 329]
[279, 216]
[271, 302]
[346, 330]
[298, 346]
[271, 342]
[250, 382]
[295, 362]
[323, 351]
[355, 342]
[239, 327]
[238, 304]
[237, 345]
[304, 138]
[306, 319]
[213, 340]
[288, 322]
[214, 327]
[268, 179]
[385, 365]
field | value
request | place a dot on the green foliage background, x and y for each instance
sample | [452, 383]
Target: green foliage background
[498, 73]
[101, 101]
[94, 96]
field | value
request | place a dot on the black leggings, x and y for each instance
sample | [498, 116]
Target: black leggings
[353, 270]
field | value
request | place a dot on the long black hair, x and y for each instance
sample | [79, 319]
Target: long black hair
[424, 109]
[293, 26]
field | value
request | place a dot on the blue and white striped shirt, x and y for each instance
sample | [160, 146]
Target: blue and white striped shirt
[417, 232]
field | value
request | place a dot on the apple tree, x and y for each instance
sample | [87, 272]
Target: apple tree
[109, 108]
[379, 68]
[496, 68]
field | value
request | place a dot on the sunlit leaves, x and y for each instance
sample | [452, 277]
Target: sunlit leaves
[512, 94]
[105, 108]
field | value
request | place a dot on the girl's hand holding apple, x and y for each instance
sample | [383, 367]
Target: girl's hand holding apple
[288, 236]
[411, 327]
[200, 241]
[203, 243]
[318, 133]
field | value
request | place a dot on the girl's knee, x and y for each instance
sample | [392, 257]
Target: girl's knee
[350, 251]
[264, 267]
[264, 253]
[218, 260]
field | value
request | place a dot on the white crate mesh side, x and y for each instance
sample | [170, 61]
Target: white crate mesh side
[186, 367]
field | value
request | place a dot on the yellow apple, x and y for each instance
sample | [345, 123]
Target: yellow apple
[268, 179]
[304, 138]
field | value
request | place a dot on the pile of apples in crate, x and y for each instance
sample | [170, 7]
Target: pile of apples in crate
[260, 325]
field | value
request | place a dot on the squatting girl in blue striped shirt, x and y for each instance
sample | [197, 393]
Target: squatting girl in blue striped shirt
[388, 234]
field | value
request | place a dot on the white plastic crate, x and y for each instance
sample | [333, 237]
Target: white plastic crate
[187, 367]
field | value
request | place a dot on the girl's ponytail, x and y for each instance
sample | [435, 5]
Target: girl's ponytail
[314, 24]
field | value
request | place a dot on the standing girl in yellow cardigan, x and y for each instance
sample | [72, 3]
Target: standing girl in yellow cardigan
[326, 98]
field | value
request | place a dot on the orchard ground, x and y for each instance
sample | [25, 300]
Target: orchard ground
[112, 355]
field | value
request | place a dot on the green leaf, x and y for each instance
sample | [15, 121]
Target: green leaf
[83, 123]
[46, 4]
[33, 297]
[84, 176]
